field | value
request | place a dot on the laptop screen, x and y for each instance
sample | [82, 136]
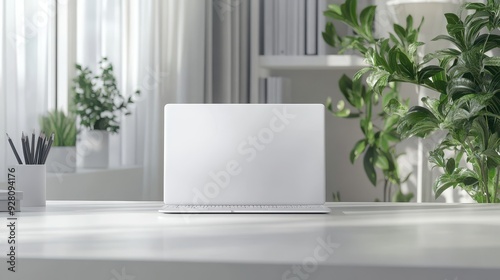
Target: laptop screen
[225, 154]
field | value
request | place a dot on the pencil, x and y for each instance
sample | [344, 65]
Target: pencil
[14, 150]
[23, 143]
[27, 142]
[42, 150]
[37, 150]
[30, 157]
[32, 154]
[43, 147]
[48, 148]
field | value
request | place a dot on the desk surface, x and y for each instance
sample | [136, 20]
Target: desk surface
[354, 241]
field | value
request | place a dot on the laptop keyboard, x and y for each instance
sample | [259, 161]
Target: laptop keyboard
[244, 208]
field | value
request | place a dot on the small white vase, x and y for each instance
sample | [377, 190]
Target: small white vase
[93, 149]
[61, 160]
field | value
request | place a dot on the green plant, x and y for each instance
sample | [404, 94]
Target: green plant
[378, 145]
[467, 80]
[380, 137]
[97, 100]
[63, 126]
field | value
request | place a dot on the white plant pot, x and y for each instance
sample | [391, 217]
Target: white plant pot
[61, 160]
[93, 149]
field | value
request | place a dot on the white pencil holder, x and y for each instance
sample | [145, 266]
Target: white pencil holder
[31, 179]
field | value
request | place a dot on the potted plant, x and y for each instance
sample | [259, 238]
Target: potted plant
[467, 82]
[62, 156]
[98, 105]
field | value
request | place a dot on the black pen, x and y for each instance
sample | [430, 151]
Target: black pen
[37, 150]
[32, 154]
[30, 158]
[23, 143]
[27, 142]
[42, 148]
[14, 150]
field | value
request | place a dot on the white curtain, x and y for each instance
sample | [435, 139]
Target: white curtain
[179, 51]
[27, 65]
[228, 40]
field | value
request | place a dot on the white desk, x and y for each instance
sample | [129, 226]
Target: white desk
[131, 240]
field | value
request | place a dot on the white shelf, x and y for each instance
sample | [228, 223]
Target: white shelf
[312, 62]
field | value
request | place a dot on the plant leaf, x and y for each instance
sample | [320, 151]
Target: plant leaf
[367, 17]
[368, 164]
[428, 72]
[358, 149]
[492, 61]
[442, 183]
[417, 121]
[450, 166]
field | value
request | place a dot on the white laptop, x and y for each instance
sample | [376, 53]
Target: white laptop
[244, 158]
